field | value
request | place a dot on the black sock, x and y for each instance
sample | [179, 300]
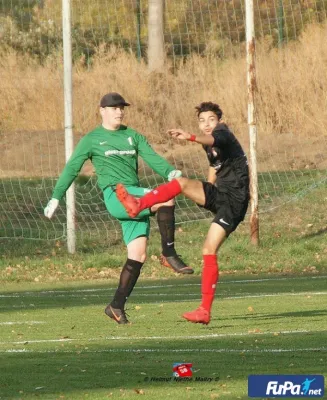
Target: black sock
[166, 223]
[128, 278]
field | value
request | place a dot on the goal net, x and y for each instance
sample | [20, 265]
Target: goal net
[205, 61]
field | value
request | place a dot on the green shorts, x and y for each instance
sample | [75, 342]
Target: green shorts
[132, 227]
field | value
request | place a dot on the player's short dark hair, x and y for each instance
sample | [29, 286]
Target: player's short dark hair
[209, 106]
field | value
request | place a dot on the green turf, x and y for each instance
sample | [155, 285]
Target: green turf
[61, 345]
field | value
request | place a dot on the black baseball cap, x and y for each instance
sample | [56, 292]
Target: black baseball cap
[113, 99]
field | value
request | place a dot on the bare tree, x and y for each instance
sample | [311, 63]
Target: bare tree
[156, 52]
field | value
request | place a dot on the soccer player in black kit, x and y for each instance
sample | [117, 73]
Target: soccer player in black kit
[225, 193]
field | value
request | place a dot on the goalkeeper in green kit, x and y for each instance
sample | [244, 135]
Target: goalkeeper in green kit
[114, 149]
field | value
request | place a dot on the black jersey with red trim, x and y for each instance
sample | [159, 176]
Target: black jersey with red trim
[227, 157]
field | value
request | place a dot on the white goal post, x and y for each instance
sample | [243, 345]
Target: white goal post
[68, 101]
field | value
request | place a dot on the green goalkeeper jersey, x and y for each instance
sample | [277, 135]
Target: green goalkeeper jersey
[114, 155]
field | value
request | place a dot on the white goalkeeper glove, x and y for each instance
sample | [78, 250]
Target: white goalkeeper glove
[176, 173]
[51, 208]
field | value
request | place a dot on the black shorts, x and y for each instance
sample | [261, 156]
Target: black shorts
[229, 204]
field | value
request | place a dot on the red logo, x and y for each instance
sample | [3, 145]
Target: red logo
[182, 370]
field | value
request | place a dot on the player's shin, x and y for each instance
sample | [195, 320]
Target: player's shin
[128, 278]
[210, 276]
[166, 223]
[161, 194]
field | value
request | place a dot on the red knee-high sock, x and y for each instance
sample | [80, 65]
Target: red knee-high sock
[210, 276]
[161, 194]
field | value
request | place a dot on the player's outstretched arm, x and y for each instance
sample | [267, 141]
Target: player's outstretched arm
[182, 135]
[155, 161]
[175, 173]
[51, 208]
[73, 166]
[179, 134]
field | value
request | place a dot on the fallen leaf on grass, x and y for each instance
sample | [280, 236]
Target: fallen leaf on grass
[139, 391]
[254, 331]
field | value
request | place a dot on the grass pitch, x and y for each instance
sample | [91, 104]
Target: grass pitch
[269, 316]
[56, 342]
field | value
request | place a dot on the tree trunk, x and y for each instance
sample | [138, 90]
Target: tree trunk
[156, 51]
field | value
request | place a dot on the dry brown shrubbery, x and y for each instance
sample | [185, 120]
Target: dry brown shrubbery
[291, 98]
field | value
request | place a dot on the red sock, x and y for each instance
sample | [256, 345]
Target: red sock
[161, 194]
[210, 276]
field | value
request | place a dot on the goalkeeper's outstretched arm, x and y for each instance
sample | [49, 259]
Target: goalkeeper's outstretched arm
[155, 161]
[80, 155]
